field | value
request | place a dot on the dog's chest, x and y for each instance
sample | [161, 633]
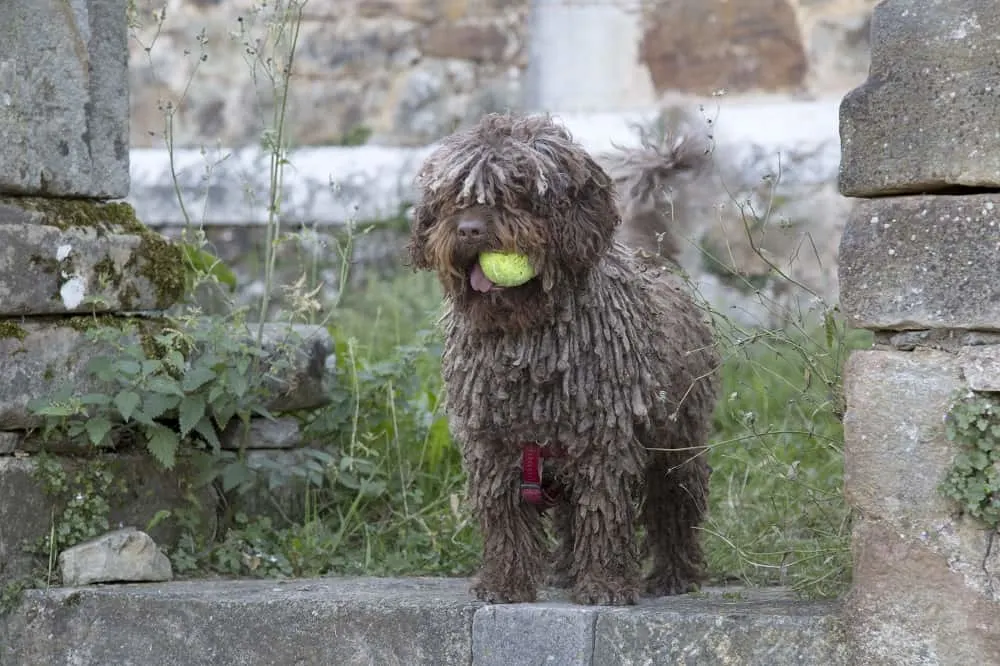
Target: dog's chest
[577, 379]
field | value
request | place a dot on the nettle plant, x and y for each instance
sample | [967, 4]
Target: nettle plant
[973, 481]
[165, 386]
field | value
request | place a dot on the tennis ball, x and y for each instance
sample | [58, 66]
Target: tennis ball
[506, 269]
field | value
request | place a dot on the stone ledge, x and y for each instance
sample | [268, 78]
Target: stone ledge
[38, 357]
[404, 621]
[45, 270]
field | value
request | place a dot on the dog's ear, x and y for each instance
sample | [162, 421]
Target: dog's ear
[416, 246]
[589, 220]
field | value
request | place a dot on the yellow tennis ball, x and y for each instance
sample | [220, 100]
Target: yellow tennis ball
[506, 269]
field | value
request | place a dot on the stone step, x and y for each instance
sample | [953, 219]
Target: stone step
[405, 621]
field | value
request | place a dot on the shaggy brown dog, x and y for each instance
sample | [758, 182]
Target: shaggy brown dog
[600, 364]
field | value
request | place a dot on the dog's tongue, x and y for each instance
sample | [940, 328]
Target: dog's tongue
[479, 281]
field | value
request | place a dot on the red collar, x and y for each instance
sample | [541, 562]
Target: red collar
[532, 488]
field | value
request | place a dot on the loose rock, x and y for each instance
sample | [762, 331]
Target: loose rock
[125, 555]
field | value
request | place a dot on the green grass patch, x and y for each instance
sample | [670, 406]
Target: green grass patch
[777, 513]
[391, 500]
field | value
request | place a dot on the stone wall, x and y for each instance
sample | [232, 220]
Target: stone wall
[74, 263]
[406, 72]
[918, 265]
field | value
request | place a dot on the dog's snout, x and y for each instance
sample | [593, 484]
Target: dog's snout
[471, 228]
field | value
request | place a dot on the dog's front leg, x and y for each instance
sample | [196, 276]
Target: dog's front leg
[513, 537]
[605, 558]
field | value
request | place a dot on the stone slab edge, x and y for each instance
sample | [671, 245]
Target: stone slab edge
[403, 621]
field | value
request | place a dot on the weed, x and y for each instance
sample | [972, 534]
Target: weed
[973, 422]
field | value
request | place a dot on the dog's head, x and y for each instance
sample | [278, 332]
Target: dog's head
[519, 184]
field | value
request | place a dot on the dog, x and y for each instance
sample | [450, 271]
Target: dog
[588, 390]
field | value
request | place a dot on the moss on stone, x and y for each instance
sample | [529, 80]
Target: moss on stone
[84, 323]
[162, 263]
[48, 264]
[106, 273]
[70, 213]
[144, 329]
[157, 259]
[10, 329]
[109, 276]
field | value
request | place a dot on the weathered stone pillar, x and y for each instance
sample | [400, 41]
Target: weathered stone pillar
[920, 266]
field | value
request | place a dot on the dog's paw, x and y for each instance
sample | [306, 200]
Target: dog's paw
[668, 584]
[596, 592]
[496, 594]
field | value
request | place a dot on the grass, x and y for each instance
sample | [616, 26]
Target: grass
[777, 513]
[392, 501]
[380, 489]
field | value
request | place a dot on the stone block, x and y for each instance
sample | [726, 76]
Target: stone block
[49, 265]
[543, 633]
[347, 622]
[64, 98]
[260, 433]
[908, 606]
[896, 454]
[282, 490]
[919, 262]
[723, 47]
[122, 556]
[758, 627]
[763, 629]
[25, 509]
[37, 358]
[926, 118]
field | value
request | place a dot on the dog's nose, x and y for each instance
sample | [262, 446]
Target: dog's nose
[471, 229]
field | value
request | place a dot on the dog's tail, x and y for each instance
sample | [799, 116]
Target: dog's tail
[649, 177]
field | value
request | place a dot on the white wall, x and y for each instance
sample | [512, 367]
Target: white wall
[583, 57]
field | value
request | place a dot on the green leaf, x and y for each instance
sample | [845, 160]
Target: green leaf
[97, 429]
[238, 383]
[165, 385]
[126, 402]
[191, 410]
[174, 359]
[158, 517]
[98, 399]
[162, 444]
[156, 405]
[151, 366]
[61, 410]
[101, 367]
[197, 377]
[830, 328]
[216, 392]
[235, 474]
[207, 263]
[205, 429]
[127, 367]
